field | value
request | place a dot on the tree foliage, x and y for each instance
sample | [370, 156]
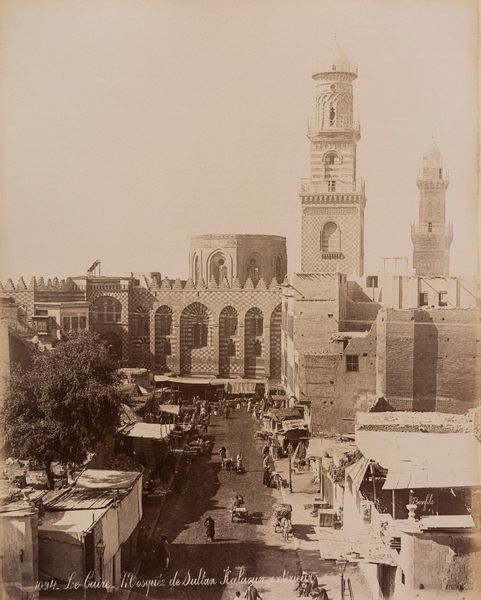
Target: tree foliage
[58, 410]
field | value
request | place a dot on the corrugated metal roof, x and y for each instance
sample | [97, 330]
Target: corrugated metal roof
[84, 499]
[153, 431]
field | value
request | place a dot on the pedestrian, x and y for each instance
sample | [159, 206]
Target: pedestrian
[209, 529]
[266, 478]
[252, 593]
[164, 552]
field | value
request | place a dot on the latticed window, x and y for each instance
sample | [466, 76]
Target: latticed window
[163, 321]
[258, 323]
[199, 335]
[331, 185]
[352, 362]
[107, 310]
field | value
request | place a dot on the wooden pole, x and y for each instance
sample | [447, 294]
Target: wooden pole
[321, 479]
[290, 471]
[373, 482]
[393, 504]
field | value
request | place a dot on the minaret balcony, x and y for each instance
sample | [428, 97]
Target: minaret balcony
[341, 125]
[432, 229]
[315, 188]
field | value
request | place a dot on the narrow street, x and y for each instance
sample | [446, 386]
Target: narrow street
[250, 549]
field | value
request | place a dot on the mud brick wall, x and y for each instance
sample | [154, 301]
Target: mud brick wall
[429, 360]
[335, 393]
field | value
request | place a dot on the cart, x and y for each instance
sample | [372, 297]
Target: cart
[240, 514]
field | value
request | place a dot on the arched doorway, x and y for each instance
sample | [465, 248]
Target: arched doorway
[253, 342]
[275, 343]
[196, 350]
[228, 342]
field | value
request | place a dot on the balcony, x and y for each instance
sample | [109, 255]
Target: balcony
[341, 124]
[440, 229]
[332, 255]
[310, 188]
[321, 66]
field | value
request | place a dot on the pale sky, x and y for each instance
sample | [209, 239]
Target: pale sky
[126, 127]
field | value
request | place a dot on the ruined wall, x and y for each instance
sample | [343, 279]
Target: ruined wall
[335, 392]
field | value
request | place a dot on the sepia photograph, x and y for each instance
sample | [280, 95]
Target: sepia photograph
[240, 304]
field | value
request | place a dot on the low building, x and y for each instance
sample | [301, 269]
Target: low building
[84, 529]
[416, 489]
[19, 551]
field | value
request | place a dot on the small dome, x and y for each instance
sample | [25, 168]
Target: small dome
[432, 157]
[336, 57]
[335, 60]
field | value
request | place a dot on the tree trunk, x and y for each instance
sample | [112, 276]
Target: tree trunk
[48, 471]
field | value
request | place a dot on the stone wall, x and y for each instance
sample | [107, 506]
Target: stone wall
[429, 360]
[438, 560]
[335, 392]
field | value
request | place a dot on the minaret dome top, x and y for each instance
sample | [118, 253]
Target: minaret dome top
[335, 60]
[432, 158]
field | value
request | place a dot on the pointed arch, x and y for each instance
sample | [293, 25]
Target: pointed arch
[228, 342]
[330, 238]
[195, 321]
[253, 342]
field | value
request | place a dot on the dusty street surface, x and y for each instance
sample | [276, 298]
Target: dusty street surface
[247, 549]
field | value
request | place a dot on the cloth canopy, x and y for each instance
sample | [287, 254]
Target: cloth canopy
[107, 479]
[424, 460]
[173, 409]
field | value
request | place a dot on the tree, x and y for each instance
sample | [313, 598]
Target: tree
[58, 410]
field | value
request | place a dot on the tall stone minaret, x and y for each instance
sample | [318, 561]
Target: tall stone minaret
[432, 236]
[333, 198]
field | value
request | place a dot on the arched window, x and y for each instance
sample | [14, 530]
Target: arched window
[218, 268]
[194, 326]
[107, 310]
[196, 270]
[330, 158]
[230, 321]
[163, 321]
[255, 321]
[330, 238]
[253, 270]
[199, 335]
[332, 116]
